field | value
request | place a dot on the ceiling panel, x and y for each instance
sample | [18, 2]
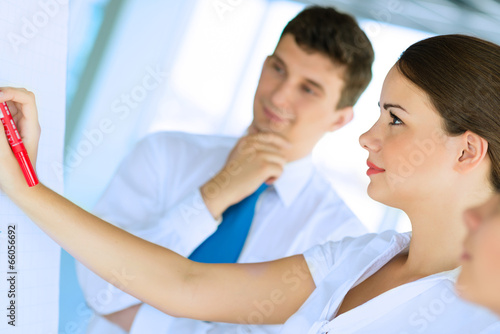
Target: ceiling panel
[474, 17]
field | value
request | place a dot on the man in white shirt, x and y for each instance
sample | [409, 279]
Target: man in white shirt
[173, 189]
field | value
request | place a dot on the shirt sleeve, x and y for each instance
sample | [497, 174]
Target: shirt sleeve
[132, 198]
[348, 252]
[494, 328]
[320, 259]
[139, 197]
[101, 296]
[151, 320]
[184, 227]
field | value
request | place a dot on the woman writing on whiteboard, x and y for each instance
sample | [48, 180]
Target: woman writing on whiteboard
[434, 152]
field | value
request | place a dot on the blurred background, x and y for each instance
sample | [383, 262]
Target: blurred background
[136, 67]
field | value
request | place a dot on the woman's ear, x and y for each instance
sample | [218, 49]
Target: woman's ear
[474, 149]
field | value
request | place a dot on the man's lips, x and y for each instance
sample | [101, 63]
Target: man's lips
[373, 169]
[272, 115]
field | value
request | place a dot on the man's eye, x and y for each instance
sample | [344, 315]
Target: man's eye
[307, 90]
[277, 68]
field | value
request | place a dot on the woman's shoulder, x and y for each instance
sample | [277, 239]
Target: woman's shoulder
[354, 252]
[373, 241]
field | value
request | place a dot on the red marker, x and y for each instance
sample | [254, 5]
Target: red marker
[17, 145]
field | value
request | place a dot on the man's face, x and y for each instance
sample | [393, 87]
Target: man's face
[297, 96]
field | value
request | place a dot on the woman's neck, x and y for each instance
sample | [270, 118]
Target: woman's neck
[436, 244]
[438, 232]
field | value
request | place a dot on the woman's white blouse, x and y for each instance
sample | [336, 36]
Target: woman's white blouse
[428, 305]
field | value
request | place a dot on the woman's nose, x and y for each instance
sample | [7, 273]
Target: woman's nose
[369, 141]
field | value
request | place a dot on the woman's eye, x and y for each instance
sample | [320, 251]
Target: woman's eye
[395, 120]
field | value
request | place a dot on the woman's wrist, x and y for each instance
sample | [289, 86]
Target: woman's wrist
[21, 194]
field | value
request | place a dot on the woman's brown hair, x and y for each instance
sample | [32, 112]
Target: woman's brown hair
[461, 75]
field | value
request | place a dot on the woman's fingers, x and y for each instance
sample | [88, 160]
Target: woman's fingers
[22, 105]
[19, 95]
[10, 172]
[4, 145]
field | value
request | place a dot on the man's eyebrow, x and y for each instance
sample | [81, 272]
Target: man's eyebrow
[391, 105]
[315, 84]
[278, 59]
[309, 81]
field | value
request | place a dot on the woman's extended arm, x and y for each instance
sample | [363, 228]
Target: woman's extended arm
[245, 293]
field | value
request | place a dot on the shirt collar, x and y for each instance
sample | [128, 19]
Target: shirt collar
[451, 275]
[293, 179]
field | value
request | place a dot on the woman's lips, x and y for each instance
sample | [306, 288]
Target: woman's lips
[373, 169]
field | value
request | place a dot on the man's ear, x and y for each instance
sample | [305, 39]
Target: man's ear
[473, 150]
[342, 117]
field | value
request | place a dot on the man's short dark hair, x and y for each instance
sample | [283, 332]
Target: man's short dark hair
[338, 36]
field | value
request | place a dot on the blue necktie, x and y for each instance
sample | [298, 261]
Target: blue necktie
[225, 244]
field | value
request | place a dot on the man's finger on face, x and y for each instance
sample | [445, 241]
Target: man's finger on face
[273, 139]
[252, 129]
[264, 147]
[270, 180]
[251, 149]
[271, 158]
[271, 169]
[245, 146]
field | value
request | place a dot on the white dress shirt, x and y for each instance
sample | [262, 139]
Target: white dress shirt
[155, 195]
[428, 305]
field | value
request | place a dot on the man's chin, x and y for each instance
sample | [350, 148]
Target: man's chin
[274, 127]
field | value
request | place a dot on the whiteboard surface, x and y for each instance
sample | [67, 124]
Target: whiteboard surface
[33, 50]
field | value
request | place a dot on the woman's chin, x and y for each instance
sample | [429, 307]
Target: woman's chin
[387, 196]
[377, 193]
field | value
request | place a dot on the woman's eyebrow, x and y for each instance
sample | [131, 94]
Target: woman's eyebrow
[391, 105]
